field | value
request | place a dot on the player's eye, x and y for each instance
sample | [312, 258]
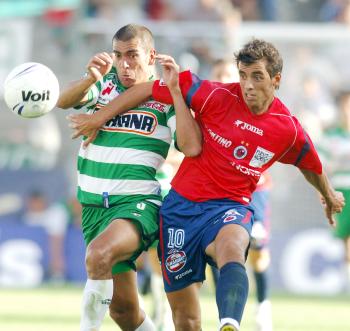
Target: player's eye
[242, 75]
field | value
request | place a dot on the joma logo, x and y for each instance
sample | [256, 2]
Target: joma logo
[29, 95]
[246, 126]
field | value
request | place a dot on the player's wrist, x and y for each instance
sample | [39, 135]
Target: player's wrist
[100, 118]
[90, 79]
[175, 90]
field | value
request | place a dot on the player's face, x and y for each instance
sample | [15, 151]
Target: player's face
[133, 61]
[257, 86]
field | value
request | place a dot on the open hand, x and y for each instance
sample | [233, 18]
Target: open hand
[84, 125]
[170, 70]
[333, 205]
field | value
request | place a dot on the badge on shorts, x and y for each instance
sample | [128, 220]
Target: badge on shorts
[176, 261]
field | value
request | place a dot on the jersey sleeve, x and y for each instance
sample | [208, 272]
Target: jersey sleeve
[194, 91]
[302, 154]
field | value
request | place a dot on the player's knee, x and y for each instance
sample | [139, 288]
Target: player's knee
[97, 259]
[125, 314]
[185, 321]
[234, 252]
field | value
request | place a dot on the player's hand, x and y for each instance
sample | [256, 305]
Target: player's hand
[84, 125]
[333, 205]
[99, 65]
[170, 71]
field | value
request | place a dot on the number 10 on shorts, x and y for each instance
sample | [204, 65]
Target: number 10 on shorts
[176, 238]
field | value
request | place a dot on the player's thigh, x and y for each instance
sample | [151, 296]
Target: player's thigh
[184, 303]
[120, 239]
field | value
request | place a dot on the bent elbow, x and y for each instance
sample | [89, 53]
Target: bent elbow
[61, 104]
[192, 151]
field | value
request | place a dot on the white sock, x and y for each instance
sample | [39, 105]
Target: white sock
[146, 325]
[97, 297]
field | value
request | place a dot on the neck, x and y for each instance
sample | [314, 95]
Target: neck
[264, 108]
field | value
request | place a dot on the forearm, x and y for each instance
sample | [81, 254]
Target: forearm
[188, 133]
[320, 182]
[75, 93]
[124, 102]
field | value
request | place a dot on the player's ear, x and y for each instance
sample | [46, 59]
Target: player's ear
[276, 81]
[152, 56]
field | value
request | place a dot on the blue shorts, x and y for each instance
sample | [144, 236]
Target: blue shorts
[186, 229]
[261, 207]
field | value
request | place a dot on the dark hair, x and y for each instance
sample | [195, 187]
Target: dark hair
[258, 49]
[132, 31]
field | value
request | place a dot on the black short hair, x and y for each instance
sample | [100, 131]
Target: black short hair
[132, 31]
[256, 50]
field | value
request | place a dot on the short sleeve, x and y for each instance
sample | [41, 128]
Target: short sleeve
[171, 121]
[302, 154]
[193, 89]
[92, 96]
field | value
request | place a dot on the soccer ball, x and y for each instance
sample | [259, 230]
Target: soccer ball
[31, 90]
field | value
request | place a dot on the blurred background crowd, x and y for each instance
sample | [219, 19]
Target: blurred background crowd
[37, 157]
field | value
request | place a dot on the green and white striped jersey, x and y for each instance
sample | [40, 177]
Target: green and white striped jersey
[334, 150]
[128, 151]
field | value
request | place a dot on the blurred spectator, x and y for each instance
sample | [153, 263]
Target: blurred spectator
[59, 18]
[120, 11]
[54, 219]
[335, 151]
[268, 10]
[158, 9]
[224, 71]
[316, 106]
[335, 11]
[74, 211]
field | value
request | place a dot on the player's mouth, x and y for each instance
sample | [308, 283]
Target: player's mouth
[250, 97]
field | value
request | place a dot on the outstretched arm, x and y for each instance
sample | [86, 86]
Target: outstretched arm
[88, 125]
[333, 200]
[188, 133]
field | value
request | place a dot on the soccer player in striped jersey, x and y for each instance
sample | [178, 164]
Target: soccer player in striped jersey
[116, 176]
[206, 216]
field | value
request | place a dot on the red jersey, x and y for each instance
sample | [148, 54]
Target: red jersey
[238, 145]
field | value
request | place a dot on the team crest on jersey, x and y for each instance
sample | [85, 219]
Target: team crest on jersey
[261, 157]
[176, 261]
[240, 152]
[141, 122]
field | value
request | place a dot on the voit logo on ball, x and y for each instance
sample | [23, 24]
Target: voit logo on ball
[176, 261]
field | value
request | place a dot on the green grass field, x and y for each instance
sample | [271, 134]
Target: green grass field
[57, 308]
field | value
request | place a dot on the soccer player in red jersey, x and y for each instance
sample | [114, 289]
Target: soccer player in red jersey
[206, 216]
